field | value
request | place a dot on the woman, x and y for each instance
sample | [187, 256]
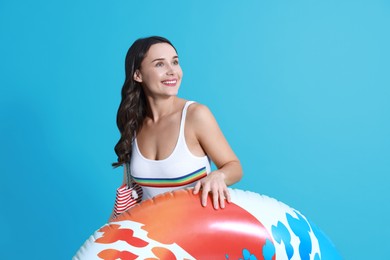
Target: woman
[168, 140]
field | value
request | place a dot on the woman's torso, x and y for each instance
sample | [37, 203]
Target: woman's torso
[180, 169]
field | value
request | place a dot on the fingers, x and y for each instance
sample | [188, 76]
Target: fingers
[227, 196]
[197, 187]
[221, 199]
[205, 194]
[219, 195]
[215, 200]
[224, 195]
[218, 198]
[217, 188]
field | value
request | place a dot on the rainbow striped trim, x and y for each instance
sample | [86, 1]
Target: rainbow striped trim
[172, 182]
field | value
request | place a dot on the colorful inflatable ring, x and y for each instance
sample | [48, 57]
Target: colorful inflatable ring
[174, 225]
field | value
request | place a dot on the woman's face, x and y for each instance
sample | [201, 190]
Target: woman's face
[160, 72]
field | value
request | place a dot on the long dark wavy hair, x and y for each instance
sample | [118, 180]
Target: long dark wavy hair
[133, 106]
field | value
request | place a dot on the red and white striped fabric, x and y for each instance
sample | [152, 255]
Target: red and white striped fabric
[126, 198]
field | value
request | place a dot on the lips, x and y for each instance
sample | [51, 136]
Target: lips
[170, 83]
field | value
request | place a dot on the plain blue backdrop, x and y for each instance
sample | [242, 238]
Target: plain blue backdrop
[301, 90]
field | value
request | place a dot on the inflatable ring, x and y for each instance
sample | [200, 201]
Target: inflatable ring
[174, 225]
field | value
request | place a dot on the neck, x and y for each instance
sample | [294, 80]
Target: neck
[159, 108]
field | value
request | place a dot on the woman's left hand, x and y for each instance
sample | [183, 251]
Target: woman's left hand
[213, 183]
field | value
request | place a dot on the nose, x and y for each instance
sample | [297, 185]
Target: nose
[170, 70]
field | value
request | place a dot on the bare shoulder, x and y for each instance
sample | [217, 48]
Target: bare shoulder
[201, 122]
[199, 113]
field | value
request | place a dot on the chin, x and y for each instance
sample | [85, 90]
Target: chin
[173, 92]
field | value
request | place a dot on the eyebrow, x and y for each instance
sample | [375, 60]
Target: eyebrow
[160, 59]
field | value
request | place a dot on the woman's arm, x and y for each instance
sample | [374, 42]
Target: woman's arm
[215, 145]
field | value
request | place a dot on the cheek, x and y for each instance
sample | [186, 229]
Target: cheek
[153, 76]
[180, 72]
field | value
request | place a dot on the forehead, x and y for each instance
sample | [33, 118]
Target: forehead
[160, 51]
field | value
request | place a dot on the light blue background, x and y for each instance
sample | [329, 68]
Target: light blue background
[300, 89]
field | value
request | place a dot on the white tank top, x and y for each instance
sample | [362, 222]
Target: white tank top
[180, 170]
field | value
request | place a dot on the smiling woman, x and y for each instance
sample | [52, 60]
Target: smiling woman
[160, 72]
[167, 142]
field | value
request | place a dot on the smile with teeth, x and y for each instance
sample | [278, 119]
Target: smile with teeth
[170, 82]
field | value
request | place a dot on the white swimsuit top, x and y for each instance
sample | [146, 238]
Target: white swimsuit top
[180, 170]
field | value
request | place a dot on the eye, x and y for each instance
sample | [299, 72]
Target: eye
[159, 64]
[175, 62]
